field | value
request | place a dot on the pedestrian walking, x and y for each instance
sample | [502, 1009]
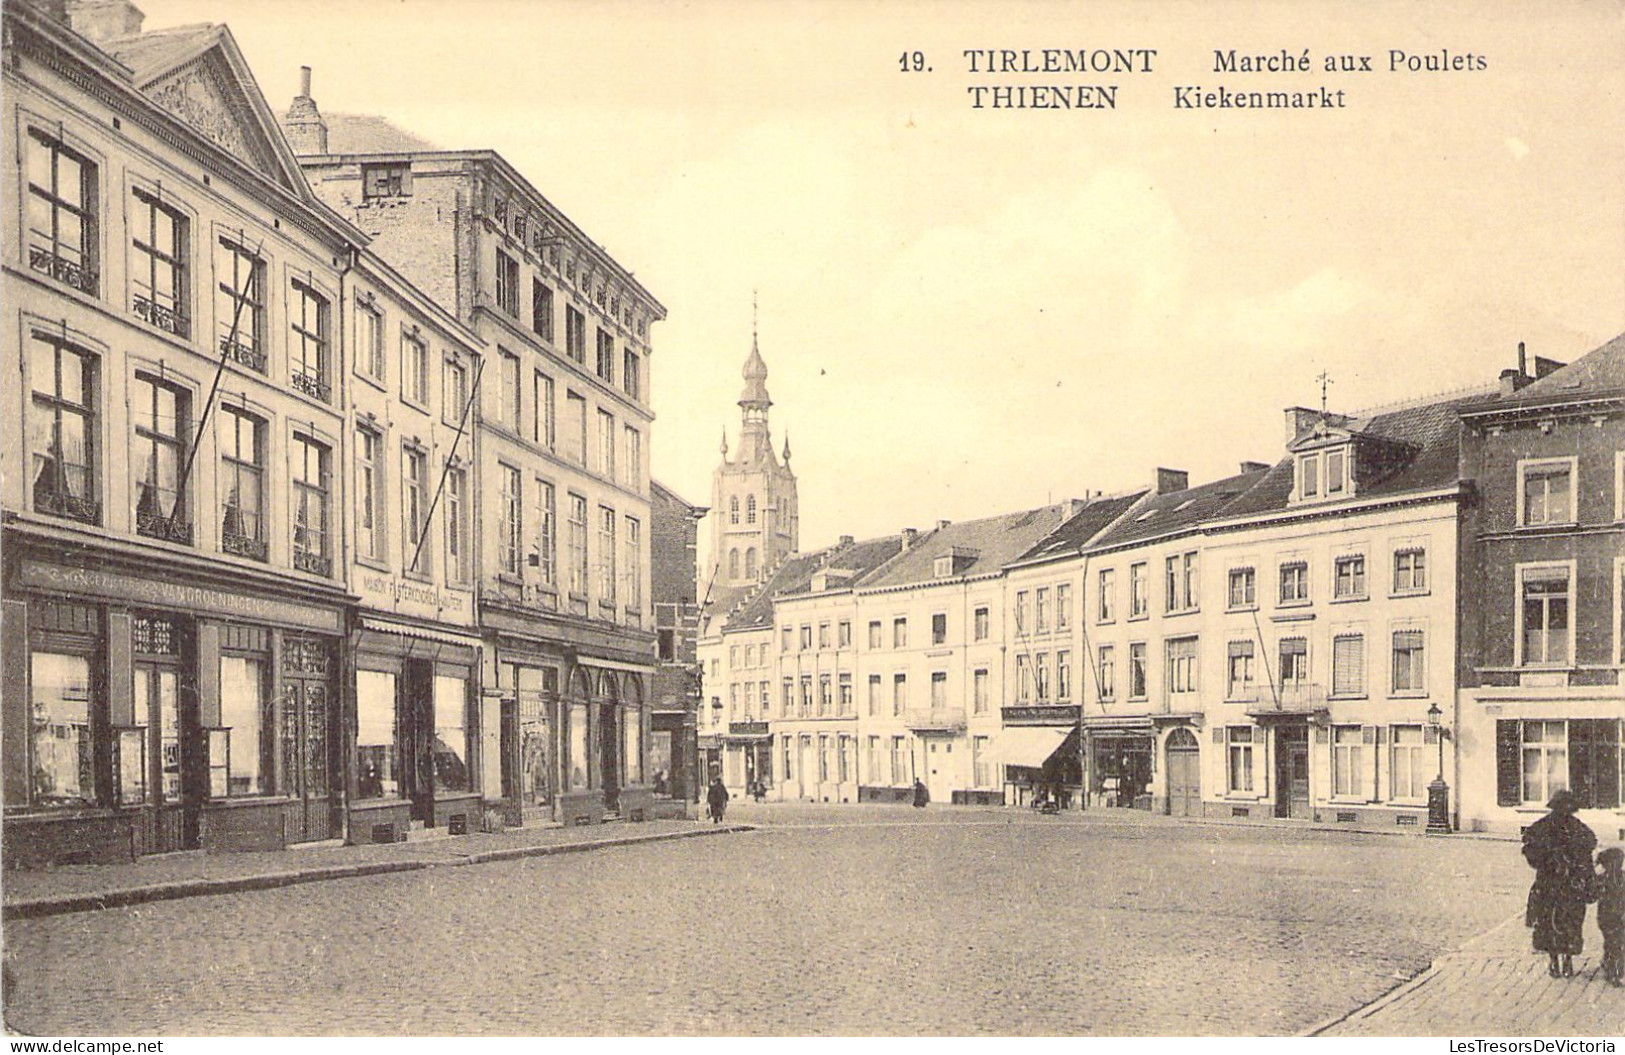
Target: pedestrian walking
[1611, 914]
[921, 795]
[717, 800]
[1558, 847]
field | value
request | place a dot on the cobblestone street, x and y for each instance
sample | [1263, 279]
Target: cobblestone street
[867, 920]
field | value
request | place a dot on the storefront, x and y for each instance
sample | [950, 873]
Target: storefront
[747, 757]
[1040, 764]
[1121, 754]
[168, 708]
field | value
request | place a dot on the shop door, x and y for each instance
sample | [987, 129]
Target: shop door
[173, 748]
[1292, 772]
[1184, 775]
[939, 769]
[306, 741]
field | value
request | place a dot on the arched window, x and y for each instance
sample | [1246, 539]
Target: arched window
[733, 564]
[750, 510]
[733, 510]
[750, 563]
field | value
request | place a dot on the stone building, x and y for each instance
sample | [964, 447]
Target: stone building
[1542, 700]
[673, 556]
[756, 522]
[563, 420]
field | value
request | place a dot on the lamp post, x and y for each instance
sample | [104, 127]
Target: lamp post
[1438, 791]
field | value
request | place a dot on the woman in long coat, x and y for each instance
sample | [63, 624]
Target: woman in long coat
[1558, 847]
[717, 800]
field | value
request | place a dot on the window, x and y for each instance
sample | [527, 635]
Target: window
[784, 638]
[1348, 577]
[632, 459]
[159, 413]
[631, 374]
[543, 427]
[1063, 606]
[575, 334]
[62, 733]
[1348, 664]
[1139, 591]
[1024, 678]
[1295, 583]
[871, 759]
[1309, 475]
[843, 634]
[1335, 460]
[414, 510]
[981, 770]
[1182, 583]
[390, 179]
[606, 356]
[1107, 666]
[1136, 670]
[1241, 677]
[240, 304]
[899, 694]
[874, 634]
[450, 756]
[312, 537]
[158, 263]
[1546, 492]
[806, 696]
[633, 564]
[750, 509]
[1243, 588]
[846, 695]
[369, 342]
[899, 761]
[1408, 763]
[454, 398]
[511, 528]
[979, 691]
[307, 343]
[939, 691]
[1348, 772]
[606, 555]
[541, 309]
[1410, 666]
[806, 638]
[1410, 571]
[874, 695]
[823, 635]
[1063, 675]
[509, 411]
[1544, 615]
[1294, 664]
[456, 516]
[1181, 666]
[415, 371]
[733, 509]
[825, 696]
[377, 757]
[789, 697]
[939, 628]
[1021, 612]
[980, 624]
[733, 655]
[368, 495]
[507, 283]
[575, 426]
[899, 633]
[242, 482]
[1041, 611]
[62, 199]
[1108, 595]
[1239, 759]
[606, 444]
[246, 719]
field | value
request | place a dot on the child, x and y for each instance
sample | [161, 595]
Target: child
[1611, 914]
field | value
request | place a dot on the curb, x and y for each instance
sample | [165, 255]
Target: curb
[38, 908]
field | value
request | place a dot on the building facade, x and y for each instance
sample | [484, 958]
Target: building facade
[1543, 701]
[673, 555]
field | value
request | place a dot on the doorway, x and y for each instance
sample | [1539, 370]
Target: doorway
[307, 664]
[1184, 774]
[173, 779]
[1292, 772]
[939, 768]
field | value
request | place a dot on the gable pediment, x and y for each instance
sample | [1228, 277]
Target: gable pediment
[204, 93]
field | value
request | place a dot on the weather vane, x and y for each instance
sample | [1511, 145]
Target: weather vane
[1325, 381]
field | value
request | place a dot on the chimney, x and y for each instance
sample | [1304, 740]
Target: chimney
[846, 540]
[1253, 467]
[1511, 381]
[303, 124]
[1523, 361]
[1544, 366]
[1299, 420]
[1074, 506]
[943, 523]
[908, 536]
[104, 20]
[1171, 480]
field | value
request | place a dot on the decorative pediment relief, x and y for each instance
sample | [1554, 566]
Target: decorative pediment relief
[203, 94]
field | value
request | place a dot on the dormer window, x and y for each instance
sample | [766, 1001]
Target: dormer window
[1324, 473]
[1335, 462]
[1309, 476]
[943, 566]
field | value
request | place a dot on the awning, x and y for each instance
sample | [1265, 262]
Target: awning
[1030, 746]
[1106, 724]
[444, 637]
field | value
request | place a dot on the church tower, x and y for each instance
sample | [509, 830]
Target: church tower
[756, 522]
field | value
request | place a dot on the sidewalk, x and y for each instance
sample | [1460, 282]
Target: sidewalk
[81, 888]
[1494, 986]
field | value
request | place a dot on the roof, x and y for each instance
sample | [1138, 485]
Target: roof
[794, 576]
[371, 134]
[990, 544]
[156, 50]
[667, 494]
[1181, 510]
[1599, 372]
[1089, 521]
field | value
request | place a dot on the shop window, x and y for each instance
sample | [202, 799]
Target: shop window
[63, 203]
[578, 746]
[450, 753]
[1536, 759]
[377, 753]
[62, 738]
[248, 727]
[158, 263]
[62, 429]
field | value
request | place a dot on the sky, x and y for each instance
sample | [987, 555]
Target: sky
[970, 311]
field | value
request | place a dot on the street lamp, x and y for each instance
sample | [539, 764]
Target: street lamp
[1438, 791]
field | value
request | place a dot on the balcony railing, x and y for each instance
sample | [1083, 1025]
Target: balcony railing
[64, 504]
[314, 563]
[1041, 714]
[166, 319]
[73, 272]
[937, 718]
[243, 354]
[169, 529]
[244, 545]
[1307, 697]
[311, 385]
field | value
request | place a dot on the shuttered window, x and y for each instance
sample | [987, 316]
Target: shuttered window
[1348, 665]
